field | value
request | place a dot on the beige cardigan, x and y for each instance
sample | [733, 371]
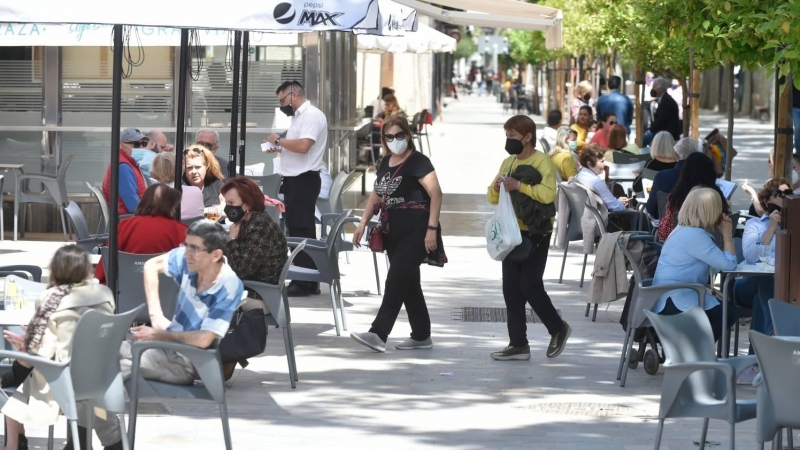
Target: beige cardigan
[33, 403]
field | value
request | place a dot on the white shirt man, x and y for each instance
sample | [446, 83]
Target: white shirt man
[301, 159]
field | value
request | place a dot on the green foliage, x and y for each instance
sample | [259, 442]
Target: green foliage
[527, 46]
[466, 46]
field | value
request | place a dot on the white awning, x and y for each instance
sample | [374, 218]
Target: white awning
[497, 14]
[384, 17]
[424, 40]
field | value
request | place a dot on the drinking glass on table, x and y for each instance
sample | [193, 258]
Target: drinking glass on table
[764, 254]
[212, 213]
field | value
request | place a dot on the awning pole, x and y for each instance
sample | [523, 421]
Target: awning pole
[245, 67]
[180, 126]
[116, 100]
[237, 48]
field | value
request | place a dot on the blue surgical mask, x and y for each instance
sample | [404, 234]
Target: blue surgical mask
[573, 145]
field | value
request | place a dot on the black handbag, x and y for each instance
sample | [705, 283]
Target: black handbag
[246, 337]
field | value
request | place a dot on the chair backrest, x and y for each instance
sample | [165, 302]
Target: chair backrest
[130, 287]
[277, 308]
[687, 338]
[785, 318]
[648, 174]
[98, 195]
[33, 273]
[414, 125]
[273, 213]
[576, 198]
[94, 356]
[78, 221]
[661, 198]
[61, 197]
[597, 218]
[627, 158]
[332, 241]
[270, 184]
[737, 245]
[778, 358]
[335, 196]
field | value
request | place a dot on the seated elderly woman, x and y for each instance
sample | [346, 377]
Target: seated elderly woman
[162, 171]
[49, 335]
[593, 162]
[563, 158]
[202, 171]
[698, 171]
[257, 250]
[153, 227]
[662, 150]
[689, 253]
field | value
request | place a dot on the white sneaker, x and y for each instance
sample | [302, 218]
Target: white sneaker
[370, 340]
[411, 344]
[747, 376]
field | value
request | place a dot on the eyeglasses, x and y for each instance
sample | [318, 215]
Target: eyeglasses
[280, 100]
[779, 193]
[193, 249]
[390, 137]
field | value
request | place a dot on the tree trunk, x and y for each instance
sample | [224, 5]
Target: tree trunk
[730, 153]
[687, 111]
[783, 144]
[638, 106]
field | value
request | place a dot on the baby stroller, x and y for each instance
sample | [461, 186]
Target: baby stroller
[649, 349]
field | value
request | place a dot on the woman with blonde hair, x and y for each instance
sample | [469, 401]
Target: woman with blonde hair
[390, 107]
[49, 335]
[689, 253]
[202, 171]
[163, 171]
[583, 97]
[563, 158]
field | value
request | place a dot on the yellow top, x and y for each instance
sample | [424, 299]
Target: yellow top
[565, 164]
[544, 192]
[582, 135]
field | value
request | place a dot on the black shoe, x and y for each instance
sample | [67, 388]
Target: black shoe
[23, 442]
[81, 437]
[558, 341]
[117, 446]
[510, 353]
[296, 290]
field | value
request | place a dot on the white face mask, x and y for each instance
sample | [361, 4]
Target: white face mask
[397, 146]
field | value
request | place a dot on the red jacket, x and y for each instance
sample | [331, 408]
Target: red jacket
[144, 235]
[141, 186]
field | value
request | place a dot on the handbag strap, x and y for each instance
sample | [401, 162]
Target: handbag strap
[394, 175]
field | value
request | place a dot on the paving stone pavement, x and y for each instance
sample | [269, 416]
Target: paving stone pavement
[453, 396]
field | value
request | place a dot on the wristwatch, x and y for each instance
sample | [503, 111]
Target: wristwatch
[278, 142]
[431, 227]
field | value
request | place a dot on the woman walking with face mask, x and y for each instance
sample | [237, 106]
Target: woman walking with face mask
[522, 275]
[408, 198]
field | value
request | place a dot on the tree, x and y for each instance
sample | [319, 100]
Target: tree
[466, 46]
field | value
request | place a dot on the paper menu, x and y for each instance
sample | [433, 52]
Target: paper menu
[727, 187]
[268, 146]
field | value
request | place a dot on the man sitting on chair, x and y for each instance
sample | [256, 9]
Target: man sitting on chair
[210, 292]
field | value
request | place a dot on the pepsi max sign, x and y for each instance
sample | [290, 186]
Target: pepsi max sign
[312, 15]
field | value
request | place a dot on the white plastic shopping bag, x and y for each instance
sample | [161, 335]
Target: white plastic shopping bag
[502, 230]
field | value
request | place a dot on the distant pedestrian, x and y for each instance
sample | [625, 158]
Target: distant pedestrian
[522, 277]
[667, 114]
[617, 103]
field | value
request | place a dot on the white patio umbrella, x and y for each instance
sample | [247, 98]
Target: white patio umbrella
[424, 40]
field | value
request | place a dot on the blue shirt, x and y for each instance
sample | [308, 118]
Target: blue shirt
[145, 159]
[686, 258]
[664, 181]
[599, 187]
[754, 229]
[128, 188]
[619, 104]
[210, 310]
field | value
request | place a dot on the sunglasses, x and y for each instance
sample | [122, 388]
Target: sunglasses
[193, 149]
[138, 144]
[390, 137]
[612, 123]
[778, 193]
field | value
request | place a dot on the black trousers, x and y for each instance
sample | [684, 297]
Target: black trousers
[406, 252]
[522, 283]
[300, 197]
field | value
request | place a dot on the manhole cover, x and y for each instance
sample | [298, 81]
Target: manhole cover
[475, 314]
[150, 409]
[581, 409]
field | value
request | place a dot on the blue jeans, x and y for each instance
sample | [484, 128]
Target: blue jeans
[796, 124]
[648, 138]
[754, 293]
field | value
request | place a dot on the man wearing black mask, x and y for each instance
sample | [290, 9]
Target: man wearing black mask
[667, 116]
[301, 158]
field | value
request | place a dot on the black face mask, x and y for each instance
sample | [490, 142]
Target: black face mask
[587, 97]
[234, 213]
[514, 146]
[772, 207]
[653, 93]
[288, 110]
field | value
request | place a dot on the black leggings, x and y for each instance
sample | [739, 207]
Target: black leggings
[522, 283]
[16, 376]
[406, 252]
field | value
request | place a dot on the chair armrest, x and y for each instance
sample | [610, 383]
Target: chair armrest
[37, 176]
[740, 362]
[272, 296]
[184, 349]
[293, 242]
[35, 361]
[206, 362]
[700, 289]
